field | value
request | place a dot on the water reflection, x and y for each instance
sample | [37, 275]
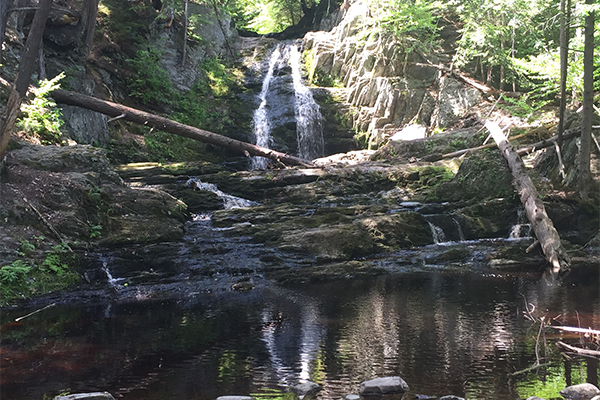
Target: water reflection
[456, 334]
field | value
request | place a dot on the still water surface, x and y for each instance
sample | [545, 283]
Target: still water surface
[458, 333]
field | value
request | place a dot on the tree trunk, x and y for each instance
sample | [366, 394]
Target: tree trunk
[588, 103]
[565, 23]
[26, 66]
[4, 5]
[170, 126]
[534, 207]
[185, 29]
[89, 14]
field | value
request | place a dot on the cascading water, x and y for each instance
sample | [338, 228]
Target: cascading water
[309, 121]
[279, 94]
[229, 201]
[262, 126]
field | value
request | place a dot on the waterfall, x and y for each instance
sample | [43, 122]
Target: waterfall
[229, 201]
[262, 127]
[279, 94]
[309, 121]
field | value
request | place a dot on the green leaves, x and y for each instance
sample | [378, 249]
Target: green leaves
[413, 18]
[43, 118]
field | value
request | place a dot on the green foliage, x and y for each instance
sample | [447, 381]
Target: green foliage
[29, 276]
[415, 18]
[525, 107]
[42, 118]
[56, 260]
[26, 247]
[274, 15]
[151, 84]
[13, 278]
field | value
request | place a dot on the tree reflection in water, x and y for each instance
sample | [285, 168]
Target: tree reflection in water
[461, 334]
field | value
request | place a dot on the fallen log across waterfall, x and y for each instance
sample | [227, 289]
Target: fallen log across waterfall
[115, 110]
[542, 226]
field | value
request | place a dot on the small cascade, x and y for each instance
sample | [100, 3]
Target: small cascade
[229, 201]
[262, 127]
[112, 281]
[519, 231]
[437, 233]
[309, 121]
[461, 235]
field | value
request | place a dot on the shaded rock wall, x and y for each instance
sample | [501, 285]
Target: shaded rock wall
[388, 81]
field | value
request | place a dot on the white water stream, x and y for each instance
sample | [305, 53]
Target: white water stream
[309, 121]
[262, 126]
[308, 118]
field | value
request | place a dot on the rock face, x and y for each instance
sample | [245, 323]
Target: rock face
[218, 39]
[386, 385]
[82, 198]
[387, 79]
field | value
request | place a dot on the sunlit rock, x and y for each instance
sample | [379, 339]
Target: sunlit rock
[583, 391]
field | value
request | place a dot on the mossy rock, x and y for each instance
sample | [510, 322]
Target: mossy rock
[484, 175]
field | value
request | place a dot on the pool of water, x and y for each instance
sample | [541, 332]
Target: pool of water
[453, 333]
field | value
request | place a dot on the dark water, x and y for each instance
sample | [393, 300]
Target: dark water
[452, 333]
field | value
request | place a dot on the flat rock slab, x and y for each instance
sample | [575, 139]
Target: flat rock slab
[584, 391]
[385, 385]
[87, 396]
[235, 398]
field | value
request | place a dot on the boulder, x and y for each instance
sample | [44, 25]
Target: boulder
[583, 391]
[451, 397]
[306, 389]
[87, 396]
[385, 385]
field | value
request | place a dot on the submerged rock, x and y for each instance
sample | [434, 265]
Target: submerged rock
[385, 385]
[306, 389]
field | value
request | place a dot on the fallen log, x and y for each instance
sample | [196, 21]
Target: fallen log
[164, 124]
[542, 226]
[575, 329]
[578, 350]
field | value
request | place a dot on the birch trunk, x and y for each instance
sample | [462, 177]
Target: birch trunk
[534, 207]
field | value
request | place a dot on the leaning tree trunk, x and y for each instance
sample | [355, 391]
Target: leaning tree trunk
[542, 226]
[170, 126]
[26, 66]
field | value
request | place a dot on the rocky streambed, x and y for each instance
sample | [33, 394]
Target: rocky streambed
[148, 229]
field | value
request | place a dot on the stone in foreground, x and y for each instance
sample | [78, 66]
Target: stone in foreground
[87, 396]
[235, 398]
[584, 391]
[386, 385]
[306, 389]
